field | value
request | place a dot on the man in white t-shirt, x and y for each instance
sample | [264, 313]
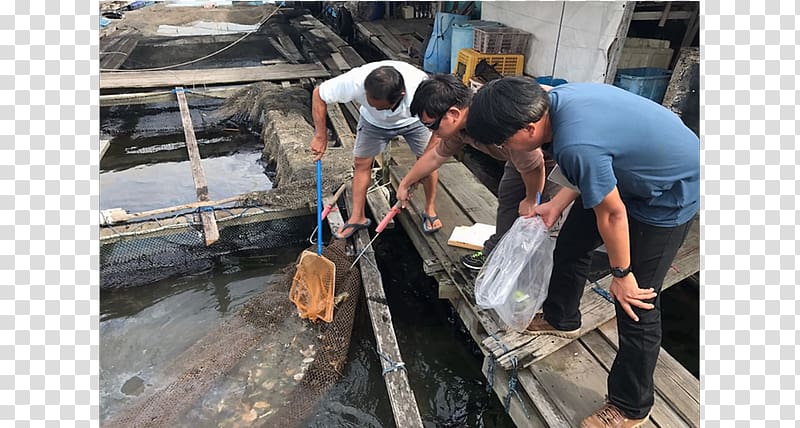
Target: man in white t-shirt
[384, 89]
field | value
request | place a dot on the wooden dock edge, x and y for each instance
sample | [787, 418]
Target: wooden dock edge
[401, 397]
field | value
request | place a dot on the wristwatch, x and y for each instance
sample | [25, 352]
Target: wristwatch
[618, 272]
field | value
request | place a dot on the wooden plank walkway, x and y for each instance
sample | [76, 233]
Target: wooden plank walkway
[398, 39]
[560, 381]
[404, 404]
[117, 47]
[189, 78]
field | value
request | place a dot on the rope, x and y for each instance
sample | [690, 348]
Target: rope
[512, 384]
[512, 389]
[496, 339]
[393, 365]
[167, 67]
[490, 375]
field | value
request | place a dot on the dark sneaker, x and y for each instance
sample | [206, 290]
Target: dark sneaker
[474, 261]
[540, 326]
[611, 417]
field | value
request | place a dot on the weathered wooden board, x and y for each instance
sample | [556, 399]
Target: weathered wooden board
[595, 309]
[475, 200]
[210, 230]
[116, 48]
[379, 206]
[401, 397]
[662, 413]
[563, 376]
[673, 382]
[188, 78]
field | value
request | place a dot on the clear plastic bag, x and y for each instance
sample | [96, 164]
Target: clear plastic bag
[515, 277]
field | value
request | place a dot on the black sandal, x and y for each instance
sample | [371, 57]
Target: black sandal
[354, 227]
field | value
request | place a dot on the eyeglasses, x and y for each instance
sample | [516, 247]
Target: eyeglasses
[435, 124]
[397, 104]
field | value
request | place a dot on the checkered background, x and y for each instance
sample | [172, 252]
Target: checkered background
[749, 215]
[49, 203]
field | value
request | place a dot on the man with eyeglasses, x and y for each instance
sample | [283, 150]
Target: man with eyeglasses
[442, 103]
[635, 168]
[384, 89]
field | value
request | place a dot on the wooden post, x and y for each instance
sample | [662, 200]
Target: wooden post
[691, 28]
[104, 144]
[665, 14]
[210, 230]
[404, 404]
[616, 47]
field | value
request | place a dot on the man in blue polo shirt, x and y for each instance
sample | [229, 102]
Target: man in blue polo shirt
[635, 174]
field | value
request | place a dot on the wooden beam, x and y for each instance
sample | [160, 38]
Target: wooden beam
[656, 16]
[167, 41]
[672, 381]
[379, 206]
[430, 263]
[115, 49]
[691, 29]
[340, 61]
[168, 226]
[375, 39]
[665, 14]
[118, 215]
[521, 410]
[284, 45]
[163, 96]
[210, 230]
[113, 59]
[334, 217]
[166, 78]
[104, 144]
[401, 397]
[538, 395]
[342, 128]
[615, 51]
[662, 412]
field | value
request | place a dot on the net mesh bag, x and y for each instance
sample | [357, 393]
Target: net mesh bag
[212, 362]
[313, 287]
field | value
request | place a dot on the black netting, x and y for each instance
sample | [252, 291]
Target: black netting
[148, 257]
[216, 381]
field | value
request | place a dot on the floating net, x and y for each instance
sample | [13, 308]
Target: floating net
[249, 371]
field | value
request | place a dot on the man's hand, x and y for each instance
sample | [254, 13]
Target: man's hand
[548, 211]
[627, 292]
[318, 146]
[403, 194]
[526, 207]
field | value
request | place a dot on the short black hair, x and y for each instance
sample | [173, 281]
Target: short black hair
[504, 106]
[438, 93]
[385, 83]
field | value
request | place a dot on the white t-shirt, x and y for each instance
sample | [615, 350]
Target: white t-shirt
[350, 87]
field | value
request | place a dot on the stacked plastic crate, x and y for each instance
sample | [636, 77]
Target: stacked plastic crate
[502, 48]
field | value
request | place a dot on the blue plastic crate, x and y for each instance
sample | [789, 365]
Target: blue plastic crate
[645, 81]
